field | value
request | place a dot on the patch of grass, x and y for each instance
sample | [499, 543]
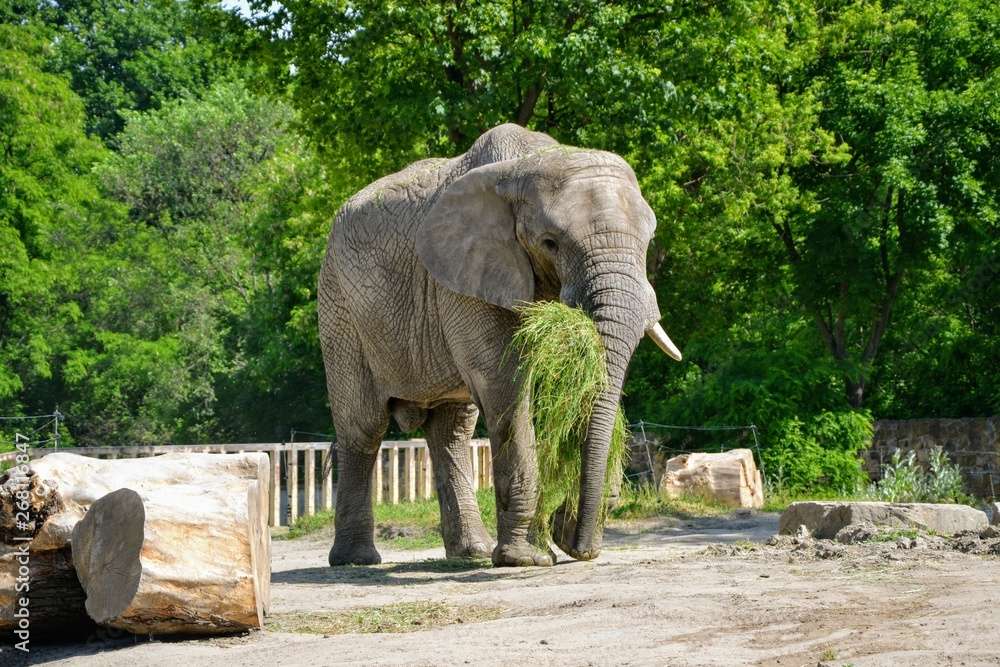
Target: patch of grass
[778, 500]
[398, 617]
[422, 517]
[563, 367]
[893, 535]
[305, 525]
[644, 502]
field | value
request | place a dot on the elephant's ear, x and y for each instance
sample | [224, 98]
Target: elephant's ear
[469, 244]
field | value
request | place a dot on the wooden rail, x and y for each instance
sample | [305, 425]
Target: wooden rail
[403, 472]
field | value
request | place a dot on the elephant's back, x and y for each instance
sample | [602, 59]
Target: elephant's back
[372, 282]
[395, 199]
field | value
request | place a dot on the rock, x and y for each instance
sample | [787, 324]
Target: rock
[729, 477]
[990, 532]
[855, 533]
[389, 531]
[825, 519]
[803, 533]
[825, 550]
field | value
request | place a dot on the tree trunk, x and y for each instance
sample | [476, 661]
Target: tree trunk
[855, 392]
[55, 608]
[178, 560]
[60, 488]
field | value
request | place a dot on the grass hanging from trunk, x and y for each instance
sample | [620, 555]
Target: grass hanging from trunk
[563, 366]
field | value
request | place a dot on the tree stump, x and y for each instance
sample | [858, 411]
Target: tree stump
[731, 478]
[182, 560]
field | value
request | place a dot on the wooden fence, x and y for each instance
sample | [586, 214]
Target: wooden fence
[403, 471]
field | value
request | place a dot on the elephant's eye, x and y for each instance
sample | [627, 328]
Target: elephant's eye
[550, 245]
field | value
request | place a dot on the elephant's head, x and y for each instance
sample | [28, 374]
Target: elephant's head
[560, 223]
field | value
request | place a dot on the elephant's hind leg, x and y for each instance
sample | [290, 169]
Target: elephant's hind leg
[361, 418]
[354, 537]
[449, 430]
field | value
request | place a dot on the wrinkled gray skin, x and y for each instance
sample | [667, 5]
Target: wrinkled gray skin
[416, 296]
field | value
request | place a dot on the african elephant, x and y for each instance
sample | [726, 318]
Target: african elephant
[417, 297]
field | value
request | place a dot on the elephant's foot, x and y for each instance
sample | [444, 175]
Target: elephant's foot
[521, 555]
[354, 554]
[477, 544]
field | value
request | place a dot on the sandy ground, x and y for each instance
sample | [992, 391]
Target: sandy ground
[658, 595]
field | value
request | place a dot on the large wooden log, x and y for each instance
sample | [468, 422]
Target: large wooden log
[47, 581]
[179, 560]
[61, 487]
[731, 478]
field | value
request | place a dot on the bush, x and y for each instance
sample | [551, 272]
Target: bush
[809, 436]
[905, 480]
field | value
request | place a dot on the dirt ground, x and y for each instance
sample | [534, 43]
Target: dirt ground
[661, 593]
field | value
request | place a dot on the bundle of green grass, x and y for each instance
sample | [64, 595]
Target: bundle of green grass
[563, 368]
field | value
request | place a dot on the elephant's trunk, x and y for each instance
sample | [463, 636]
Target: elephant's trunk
[620, 318]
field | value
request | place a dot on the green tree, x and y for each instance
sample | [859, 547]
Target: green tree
[392, 82]
[233, 211]
[911, 87]
[46, 196]
[129, 55]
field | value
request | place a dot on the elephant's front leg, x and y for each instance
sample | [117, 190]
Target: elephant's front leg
[480, 339]
[515, 478]
[449, 430]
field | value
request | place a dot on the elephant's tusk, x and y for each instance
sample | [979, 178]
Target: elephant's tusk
[663, 341]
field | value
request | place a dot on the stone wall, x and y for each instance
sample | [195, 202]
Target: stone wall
[974, 444]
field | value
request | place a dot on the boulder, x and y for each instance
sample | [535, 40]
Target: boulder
[731, 478]
[824, 519]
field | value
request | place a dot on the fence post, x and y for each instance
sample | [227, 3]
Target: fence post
[483, 470]
[474, 455]
[327, 463]
[377, 477]
[489, 462]
[275, 518]
[394, 475]
[292, 477]
[411, 473]
[310, 482]
[649, 455]
[427, 472]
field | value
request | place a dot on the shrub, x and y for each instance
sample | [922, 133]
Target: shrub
[905, 480]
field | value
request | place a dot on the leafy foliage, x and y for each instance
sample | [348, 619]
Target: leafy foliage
[904, 480]
[121, 56]
[46, 198]
[824, 174]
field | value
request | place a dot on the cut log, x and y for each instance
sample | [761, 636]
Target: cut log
[55, 600]
[182, 560]
[61, 487]
[731, 478]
